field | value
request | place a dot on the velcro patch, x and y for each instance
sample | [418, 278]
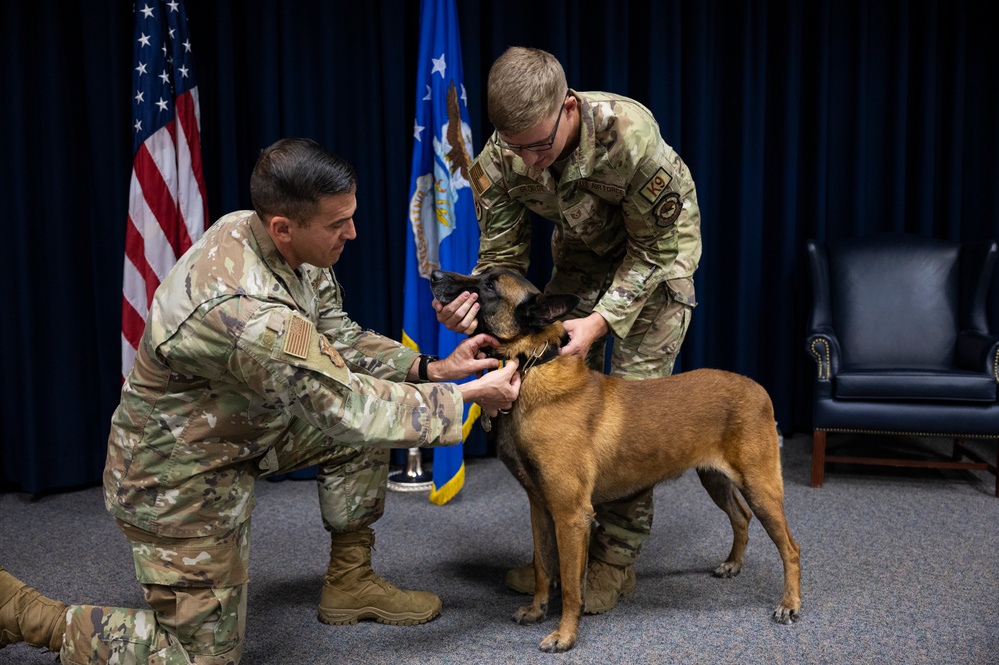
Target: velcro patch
[480, 181]
[297, 336]
[656, 185]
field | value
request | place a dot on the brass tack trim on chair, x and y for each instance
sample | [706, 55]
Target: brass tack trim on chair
[884, 431]
[995, 365]
[825, 346]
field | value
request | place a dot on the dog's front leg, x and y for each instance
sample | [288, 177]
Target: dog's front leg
[572, 531]
[544, 564]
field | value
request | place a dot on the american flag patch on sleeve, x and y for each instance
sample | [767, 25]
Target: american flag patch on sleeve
[297, 336]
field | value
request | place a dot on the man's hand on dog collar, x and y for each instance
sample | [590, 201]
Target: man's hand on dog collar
[582, 333]
[469, 358]
[494, 391]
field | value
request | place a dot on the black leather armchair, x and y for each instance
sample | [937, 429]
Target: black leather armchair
[901, 340]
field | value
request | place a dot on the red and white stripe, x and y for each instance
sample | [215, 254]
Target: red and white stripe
[167, 212]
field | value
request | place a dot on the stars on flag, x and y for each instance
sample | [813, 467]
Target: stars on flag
[439, 66]
[161, 44]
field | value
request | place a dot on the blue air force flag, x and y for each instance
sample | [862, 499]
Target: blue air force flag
[443, 232]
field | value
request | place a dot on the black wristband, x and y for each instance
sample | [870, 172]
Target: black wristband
[424, 361]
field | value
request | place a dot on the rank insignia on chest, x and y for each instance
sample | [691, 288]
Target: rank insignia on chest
[297, 336]
[328, 350]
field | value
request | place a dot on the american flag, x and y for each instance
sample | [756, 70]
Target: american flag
[167, 206]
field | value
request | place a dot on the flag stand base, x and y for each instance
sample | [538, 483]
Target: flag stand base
[414, 478]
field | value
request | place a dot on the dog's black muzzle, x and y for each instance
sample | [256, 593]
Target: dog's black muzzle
[444, 286]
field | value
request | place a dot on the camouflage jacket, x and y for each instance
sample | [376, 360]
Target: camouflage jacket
[623, 207]
[238, 351]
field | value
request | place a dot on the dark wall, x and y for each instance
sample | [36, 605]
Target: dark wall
[797, 119]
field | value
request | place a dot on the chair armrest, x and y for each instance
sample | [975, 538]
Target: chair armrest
[823, 347]
[978, 352]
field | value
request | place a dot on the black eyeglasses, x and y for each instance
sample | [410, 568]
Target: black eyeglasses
[540, 146]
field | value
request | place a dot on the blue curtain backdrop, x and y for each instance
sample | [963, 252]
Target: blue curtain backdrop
[798, 119]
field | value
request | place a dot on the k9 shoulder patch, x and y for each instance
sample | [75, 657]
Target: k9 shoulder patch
[656, 185]
[297, 337]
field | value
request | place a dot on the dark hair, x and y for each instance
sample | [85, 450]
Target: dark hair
[292, 175]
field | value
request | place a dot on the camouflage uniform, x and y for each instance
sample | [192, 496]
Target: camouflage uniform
[246, 368]
[626, 240]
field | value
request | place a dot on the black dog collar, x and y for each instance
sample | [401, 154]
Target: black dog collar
[540, 355]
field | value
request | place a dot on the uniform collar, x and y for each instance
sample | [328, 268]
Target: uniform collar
[584, 157]
[293, 281]
[582, 160]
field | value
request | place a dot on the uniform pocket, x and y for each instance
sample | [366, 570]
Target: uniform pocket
[681, 290]
[220, 561]
[667, 326]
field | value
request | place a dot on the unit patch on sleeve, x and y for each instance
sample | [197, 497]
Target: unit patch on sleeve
[297, 336]
[656, 185]
[668, 209]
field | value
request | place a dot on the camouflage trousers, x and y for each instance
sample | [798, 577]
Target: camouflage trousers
[196, 588]
[649, 351]
[351, 480]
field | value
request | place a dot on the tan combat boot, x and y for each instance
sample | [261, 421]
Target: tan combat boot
[28, 616]
[605, 584]
[521, 579]
[353, 591]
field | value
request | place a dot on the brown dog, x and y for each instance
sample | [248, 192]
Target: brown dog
[576, 437]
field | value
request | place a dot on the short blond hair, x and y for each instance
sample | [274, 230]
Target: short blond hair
[526, 85]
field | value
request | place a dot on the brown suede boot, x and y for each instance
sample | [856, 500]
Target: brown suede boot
[353, 591]
[28, 616]
[521, 579]
[605, 584]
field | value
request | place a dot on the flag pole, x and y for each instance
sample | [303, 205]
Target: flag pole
[413, 478]
[442, 228]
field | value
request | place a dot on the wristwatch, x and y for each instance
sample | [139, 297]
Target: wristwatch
[424, 361]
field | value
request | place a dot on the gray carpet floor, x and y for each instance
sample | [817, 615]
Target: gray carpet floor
[898, 566]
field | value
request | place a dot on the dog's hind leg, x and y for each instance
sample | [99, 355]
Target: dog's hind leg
[767, 501]
[723, 492]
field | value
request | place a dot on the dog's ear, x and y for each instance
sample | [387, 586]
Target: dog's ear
[543, 310]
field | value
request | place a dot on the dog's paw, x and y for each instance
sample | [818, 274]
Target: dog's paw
[557, 643]
[786, 615]
[728, 569]
[530, 614]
